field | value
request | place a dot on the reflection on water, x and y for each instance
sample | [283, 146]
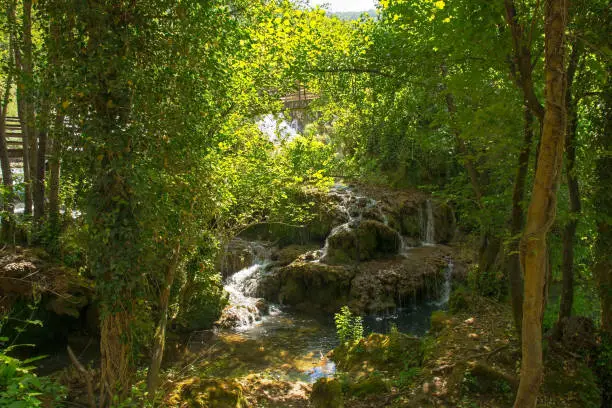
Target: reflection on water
[287, 345]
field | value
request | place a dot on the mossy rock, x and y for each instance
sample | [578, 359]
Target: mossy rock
[371, 384]
[312, 284]
[207, 393]
[369, 240]
[327, 393]
[379, 352]
[439, 320]
[460, 300]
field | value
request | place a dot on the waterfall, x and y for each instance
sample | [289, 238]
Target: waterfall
[428, 231]
[446, 286]
[242, 287]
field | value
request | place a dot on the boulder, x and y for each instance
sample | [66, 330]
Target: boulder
[368, 240]
[386, 284]
[284, 256]
[308, 285]
[199, 392]
[327, 393]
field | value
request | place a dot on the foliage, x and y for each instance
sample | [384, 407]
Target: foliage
[349, 327]
[490, 283]
[21, 388]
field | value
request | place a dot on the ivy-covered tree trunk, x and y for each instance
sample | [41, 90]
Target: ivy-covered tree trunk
[54, 172]
[159, 341]
[569, 231]
[542, 207]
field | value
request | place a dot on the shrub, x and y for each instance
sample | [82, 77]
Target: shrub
[348, 326]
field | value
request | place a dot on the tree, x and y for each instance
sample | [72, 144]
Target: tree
[542, 206]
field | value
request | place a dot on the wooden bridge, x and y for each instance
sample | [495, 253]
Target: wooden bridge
[14, 137]
[298, 100]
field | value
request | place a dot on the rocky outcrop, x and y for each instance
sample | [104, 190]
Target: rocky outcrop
[368, 240]
[366, 287]
[307, 284]
[26, 273]
[387, 284]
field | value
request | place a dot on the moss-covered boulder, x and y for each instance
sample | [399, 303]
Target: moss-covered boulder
[379, 352]
[309, 285]
[327, 393]
[198, 392]
[284, 256]
[370, 239]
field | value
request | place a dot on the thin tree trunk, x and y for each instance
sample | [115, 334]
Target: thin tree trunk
[159, 341]
[569, 232]
[513, 265]
[7, 177]
[21, 111]
[30, 115]
[542, 208]
[41, 153]
[54, 173]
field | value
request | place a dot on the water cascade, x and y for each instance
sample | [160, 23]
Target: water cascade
[428, 231]
[245, 308]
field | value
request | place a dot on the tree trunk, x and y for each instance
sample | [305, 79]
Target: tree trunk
[159, 341]
[7, 177]
[569, 232]
[41, 154]
[513, 265]
[602, 198]
[21, 111]
[54, 173]
[28, 93]
[542, 208]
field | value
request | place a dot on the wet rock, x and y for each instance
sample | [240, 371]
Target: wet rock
[327, 393]
[239, 255]
[284, 256]
[368, 240]
[386, 284]
[308, 285]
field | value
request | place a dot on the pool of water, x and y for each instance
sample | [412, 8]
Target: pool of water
[288, 345]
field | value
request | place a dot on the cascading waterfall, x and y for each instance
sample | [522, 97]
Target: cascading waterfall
[242, 287]
[352, 207]
[446, 286]
[428, 231]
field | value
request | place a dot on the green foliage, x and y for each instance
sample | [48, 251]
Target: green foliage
[460, 299]
[349, 327]
[490, 283]
[21, 388]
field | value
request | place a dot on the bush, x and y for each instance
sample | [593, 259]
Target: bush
[21, 388]
[489, 283]
[348, 327]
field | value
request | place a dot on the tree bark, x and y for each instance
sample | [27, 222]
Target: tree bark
[54, 173]
[7, 177]
[21, 110]
[602, 199]
[569, 231]
[542, 207]
[28, 93]
[513, 265]
[159, 341]
[41, 154]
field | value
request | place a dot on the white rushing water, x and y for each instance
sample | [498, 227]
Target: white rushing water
[241, 288]
[428, 231]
